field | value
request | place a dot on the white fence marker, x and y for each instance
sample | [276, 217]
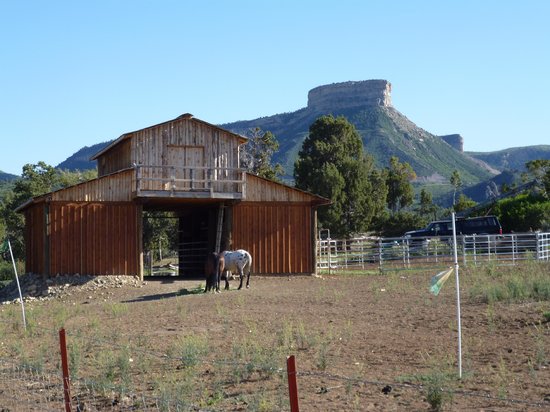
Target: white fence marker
[457, 300]
[18, 287]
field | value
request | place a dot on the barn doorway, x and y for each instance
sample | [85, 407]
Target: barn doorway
[194, 240]
[178, 237]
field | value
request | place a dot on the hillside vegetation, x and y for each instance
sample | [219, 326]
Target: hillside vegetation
[81, 159]
[385, 133]
[513, 158]
[7, 177]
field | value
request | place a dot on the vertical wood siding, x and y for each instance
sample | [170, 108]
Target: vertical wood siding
[35, 226]
[93, 238]
[117, 187]
[118, 158]
[278, 236]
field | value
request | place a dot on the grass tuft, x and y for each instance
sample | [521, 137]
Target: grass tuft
[511, 284]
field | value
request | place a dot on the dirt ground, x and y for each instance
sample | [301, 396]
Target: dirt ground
[368, 343]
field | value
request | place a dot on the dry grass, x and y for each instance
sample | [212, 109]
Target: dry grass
[168, 347]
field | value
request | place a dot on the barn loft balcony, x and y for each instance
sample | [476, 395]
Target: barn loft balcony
[190, 182]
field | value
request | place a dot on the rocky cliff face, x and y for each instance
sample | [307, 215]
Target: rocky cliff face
[350, 95]
[455, 140]
[384, 130]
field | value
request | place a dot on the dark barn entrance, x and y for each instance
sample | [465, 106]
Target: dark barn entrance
[194, 240]
[200, 227]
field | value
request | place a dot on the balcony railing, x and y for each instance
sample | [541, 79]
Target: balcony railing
[190, 182]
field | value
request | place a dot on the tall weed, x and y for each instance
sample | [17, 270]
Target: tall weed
[529, 281]
[191, 349]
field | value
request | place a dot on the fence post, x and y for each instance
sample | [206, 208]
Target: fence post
[329, 253]
[463, 240]
[65, 369]
[475, 250]
[515, 250]
[292, 385]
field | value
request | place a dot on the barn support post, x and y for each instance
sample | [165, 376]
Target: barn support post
[219, 228]
[243, 179]
[292, 384]
[227, 229]
[139, 240]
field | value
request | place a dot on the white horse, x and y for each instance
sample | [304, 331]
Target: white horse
[237, 261]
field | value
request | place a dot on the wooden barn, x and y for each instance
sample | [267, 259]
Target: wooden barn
[190, 168]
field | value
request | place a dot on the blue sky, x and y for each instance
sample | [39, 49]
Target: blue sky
[76, 73]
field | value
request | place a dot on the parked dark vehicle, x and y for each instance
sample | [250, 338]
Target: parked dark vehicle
[485, 225]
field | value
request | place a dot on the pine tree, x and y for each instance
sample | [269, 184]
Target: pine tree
[398, 180]
[427, 208]
[332, 164]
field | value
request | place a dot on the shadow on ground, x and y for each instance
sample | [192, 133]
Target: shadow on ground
[160, 296]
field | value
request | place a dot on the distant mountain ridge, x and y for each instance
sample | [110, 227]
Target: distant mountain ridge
[7, 177]
[513, 158]
[81, 159]
[385, 132]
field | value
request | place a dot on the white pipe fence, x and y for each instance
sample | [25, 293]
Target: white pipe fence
[407, 252]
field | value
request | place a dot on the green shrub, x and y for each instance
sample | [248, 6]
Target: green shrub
[438, 385]
[541, 288]
[6, 270]
[518, 288]
[523, 212]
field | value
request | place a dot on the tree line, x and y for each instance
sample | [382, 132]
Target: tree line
[365, 199]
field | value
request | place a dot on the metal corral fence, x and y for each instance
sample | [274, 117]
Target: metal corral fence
[406, 252]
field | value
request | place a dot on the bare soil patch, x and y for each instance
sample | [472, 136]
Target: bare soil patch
[361, 342]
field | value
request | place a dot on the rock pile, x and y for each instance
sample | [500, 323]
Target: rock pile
[38, 288]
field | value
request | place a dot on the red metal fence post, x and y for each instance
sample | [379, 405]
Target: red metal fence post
[292, 385]
[65, 369]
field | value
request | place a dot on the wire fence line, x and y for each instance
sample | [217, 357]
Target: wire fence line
[106, 375]
[26, 388]
[122, 376]
[406, 252]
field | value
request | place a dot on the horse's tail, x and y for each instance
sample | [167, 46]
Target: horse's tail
[208, 265]
[220, 264]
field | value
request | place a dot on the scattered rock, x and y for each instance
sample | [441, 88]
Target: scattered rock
[38, 288]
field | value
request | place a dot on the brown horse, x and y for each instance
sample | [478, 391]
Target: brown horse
[213, 268]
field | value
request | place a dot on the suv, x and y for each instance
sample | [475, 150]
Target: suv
[485, 225]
